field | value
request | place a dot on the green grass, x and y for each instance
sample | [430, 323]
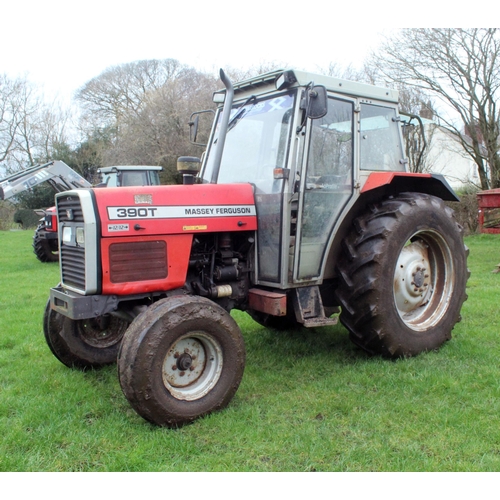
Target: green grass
[309, 400]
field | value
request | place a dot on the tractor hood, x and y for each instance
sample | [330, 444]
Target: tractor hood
[151, 210]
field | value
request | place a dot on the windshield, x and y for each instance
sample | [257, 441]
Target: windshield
[139, 178]
[256, 143]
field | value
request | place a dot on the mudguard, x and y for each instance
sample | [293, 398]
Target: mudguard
[433, 184]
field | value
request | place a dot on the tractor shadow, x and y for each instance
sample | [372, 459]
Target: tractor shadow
[328, 344]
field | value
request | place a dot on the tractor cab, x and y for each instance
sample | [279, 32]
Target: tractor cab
[307, 144]
[130, 175]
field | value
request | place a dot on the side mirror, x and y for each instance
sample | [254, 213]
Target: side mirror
[194, 125]
[317, 102]
[193, 128]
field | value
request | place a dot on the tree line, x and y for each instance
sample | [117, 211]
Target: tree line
[137, 113]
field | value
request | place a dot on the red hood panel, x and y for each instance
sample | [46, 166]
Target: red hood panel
[182, 209]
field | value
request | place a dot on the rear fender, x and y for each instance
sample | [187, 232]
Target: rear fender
[392, 183]
[379, 185]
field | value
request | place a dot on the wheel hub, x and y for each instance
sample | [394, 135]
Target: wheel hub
[412, 278]
[184, 362]
[423, 280]
[103, 331]
[419, 277]
[192, 366]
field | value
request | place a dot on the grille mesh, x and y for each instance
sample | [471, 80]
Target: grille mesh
[138, 261]
[72, 259]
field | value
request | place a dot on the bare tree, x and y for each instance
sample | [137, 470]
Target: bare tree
[239, 74]
[50, 131]
[346, 72]
[413, 101]
[461, 68]
[10, 117]
[30, 127]
[42, 127]
[157, 132]
[120, 91]
[143, 108]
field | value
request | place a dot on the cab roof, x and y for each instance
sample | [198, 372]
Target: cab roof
[289, 78]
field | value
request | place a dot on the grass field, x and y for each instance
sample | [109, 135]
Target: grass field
[309, 400]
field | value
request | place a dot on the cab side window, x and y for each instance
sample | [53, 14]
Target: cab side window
[381, 147]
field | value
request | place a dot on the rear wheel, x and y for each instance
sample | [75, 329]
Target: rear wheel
[181, 359]
[403, 276]
[44, 249]
[86, 343]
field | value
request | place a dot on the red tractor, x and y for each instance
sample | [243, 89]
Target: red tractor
[303, 211]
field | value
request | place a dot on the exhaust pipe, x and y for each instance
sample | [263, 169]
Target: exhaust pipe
[226, 113]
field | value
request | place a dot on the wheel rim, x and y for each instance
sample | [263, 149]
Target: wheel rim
[192, 366]
[423, 280]
[102, 332]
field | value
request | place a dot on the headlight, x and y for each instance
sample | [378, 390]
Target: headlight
[80, 236]
[73, 236]
[67, 234]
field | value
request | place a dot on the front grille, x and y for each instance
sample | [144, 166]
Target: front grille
[72, 258]
[138, 261]
[73, 266]
[69, 209]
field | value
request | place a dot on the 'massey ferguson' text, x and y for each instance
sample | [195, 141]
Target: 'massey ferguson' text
[119, 213]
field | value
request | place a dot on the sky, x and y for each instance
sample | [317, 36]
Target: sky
[60, 45]
[63, 44]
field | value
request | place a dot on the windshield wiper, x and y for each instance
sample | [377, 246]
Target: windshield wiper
[241, 112]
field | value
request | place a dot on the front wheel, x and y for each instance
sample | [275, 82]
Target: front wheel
[403, 276]
[85, 343]
[181, 359]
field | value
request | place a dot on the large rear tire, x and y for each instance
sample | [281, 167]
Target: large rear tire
[181, 359]
[403, 276]
[44, 249]
[83, 344]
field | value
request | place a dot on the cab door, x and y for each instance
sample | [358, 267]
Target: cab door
[326, 185]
